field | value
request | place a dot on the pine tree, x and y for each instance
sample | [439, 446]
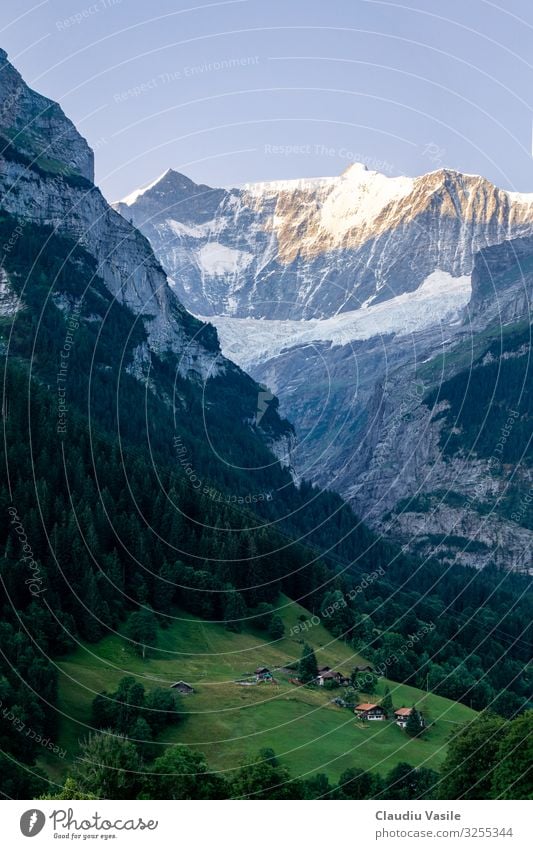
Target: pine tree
[142, 631]
[276, 629]
[263, 616]
[414, 725]
[308, 667]
[386, 702]
[234, 611]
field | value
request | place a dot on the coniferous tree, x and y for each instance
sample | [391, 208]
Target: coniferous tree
[386, 702]
[308, 667]
[234, 611]
[276, 628]
[142, 631]
[414, 725]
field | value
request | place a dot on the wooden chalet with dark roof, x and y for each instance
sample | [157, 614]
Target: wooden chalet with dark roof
[370, 711]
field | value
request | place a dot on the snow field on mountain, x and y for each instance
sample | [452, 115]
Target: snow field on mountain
[439, 300]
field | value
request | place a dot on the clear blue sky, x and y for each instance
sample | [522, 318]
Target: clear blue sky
[248, 90]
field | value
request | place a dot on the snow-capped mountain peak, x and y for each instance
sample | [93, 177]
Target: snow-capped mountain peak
[169, 180]
[137, 193]
[312, 248]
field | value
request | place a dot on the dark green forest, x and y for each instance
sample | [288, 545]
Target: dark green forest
[490, 404]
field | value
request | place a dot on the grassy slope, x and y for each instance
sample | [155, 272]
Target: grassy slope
[229, 723]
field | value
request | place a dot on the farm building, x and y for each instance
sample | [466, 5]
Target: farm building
[182, 687]
[402, 715]
[370, 711]
[262, 673]
[326, 674]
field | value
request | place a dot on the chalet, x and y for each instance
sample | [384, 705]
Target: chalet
[262, 673]
[369, 711]
[326, 674]
[366, 668]
[402, 715]
[183, 688]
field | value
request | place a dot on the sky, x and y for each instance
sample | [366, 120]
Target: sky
[246, 90]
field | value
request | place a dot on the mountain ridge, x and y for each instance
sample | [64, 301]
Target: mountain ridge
[263, 251]
[327, 330]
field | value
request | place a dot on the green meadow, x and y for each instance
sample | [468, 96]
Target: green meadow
[229, 722]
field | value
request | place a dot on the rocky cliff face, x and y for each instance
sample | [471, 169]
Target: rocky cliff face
[311, 249]
[456, 501]
[352, 298]
[502, 281]
[39, 128]
[46, 172]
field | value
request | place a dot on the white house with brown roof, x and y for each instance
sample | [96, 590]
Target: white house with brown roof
[372, 712]
[402, 715]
